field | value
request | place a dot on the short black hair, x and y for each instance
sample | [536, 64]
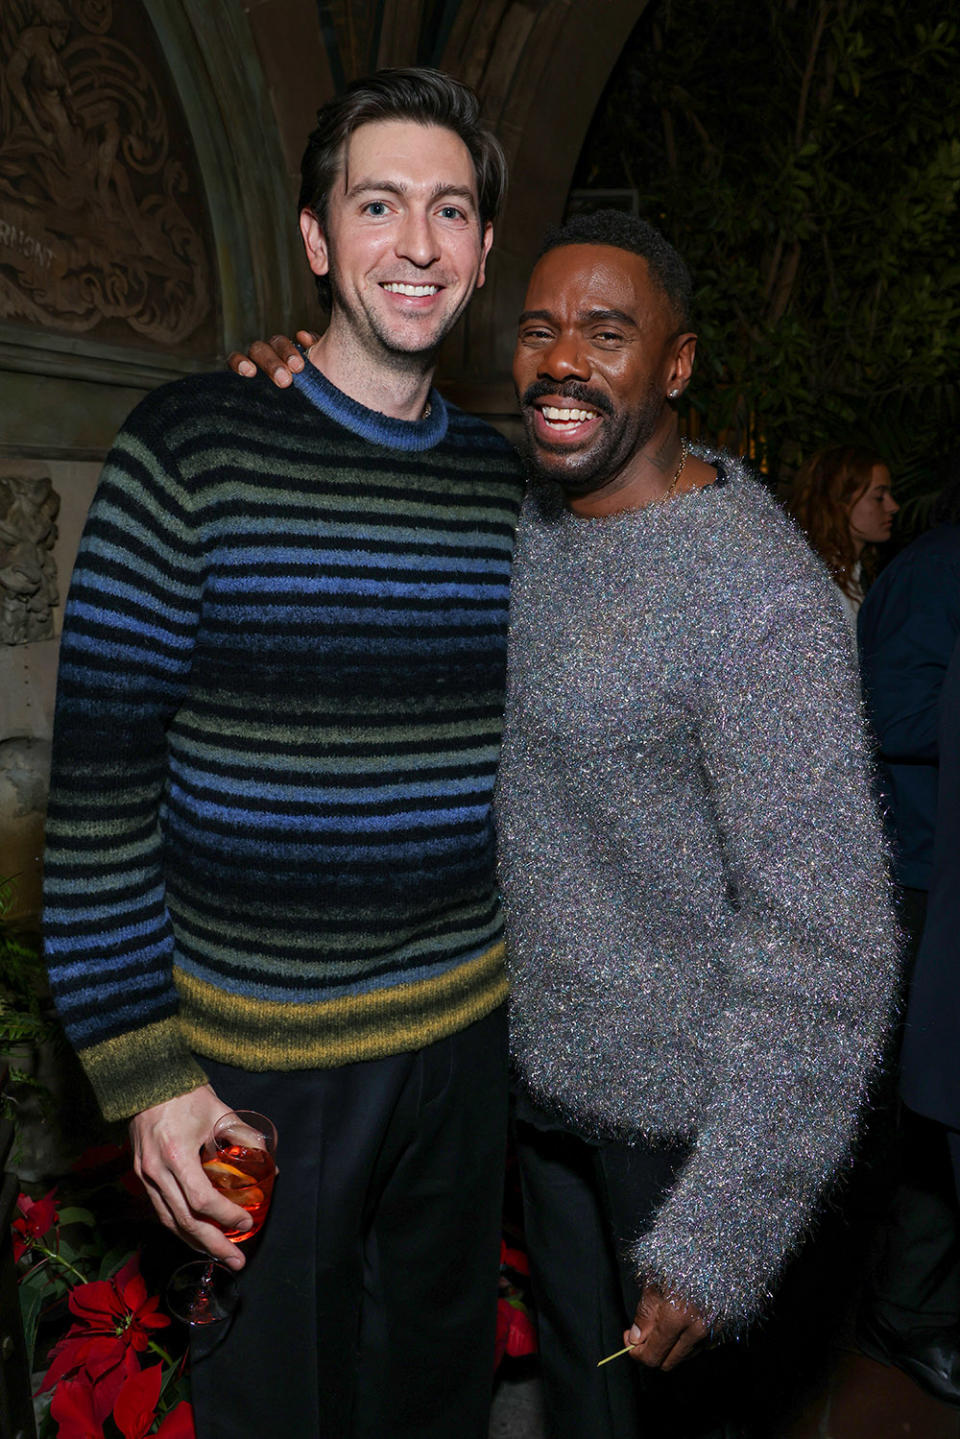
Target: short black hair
[628, 232]
[428, 97]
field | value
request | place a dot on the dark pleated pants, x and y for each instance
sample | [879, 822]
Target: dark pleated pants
[368, 1303]
[583, 1204]
[579, 1201]
[914, 1283]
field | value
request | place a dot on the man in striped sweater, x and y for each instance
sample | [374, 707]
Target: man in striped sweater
[270, 868]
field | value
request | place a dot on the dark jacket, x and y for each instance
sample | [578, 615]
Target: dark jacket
[909, 624]
[930, 1080]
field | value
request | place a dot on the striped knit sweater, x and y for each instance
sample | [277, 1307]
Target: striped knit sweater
[281, 684]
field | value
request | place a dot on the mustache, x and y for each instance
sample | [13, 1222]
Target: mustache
[575, 390]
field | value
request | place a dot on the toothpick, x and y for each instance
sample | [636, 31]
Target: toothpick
[625, 1350]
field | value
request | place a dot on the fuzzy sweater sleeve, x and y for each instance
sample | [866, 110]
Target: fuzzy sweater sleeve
[813, 960]
[128, 635]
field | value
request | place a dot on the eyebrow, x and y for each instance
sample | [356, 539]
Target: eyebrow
[395, 187]
[587, 317]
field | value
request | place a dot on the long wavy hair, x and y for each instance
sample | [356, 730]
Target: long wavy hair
[824, 492]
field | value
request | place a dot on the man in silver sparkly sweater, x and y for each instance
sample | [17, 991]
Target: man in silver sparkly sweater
[702, 945]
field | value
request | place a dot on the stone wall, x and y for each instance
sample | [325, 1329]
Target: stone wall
[39, 529]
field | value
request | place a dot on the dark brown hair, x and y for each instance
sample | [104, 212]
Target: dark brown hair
[825, 490]
[425, 96]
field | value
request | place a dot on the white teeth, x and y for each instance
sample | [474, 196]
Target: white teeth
[550, 412]
[396, 288]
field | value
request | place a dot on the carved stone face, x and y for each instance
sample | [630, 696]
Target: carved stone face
[28, 574]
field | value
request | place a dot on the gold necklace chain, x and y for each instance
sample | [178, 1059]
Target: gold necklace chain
[671, 488]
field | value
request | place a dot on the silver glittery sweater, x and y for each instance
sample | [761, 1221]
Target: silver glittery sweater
[701, 939]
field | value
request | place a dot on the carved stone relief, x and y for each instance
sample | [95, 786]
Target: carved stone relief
[102, 228]
[28, 572]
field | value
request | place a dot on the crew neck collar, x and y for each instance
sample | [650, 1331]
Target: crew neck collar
[552, 506]
[379, 429]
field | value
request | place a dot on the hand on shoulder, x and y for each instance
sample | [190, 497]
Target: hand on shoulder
[277, 357]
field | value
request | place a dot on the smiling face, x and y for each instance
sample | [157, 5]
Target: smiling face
[402, 241]
[871, 516]
[598, 350]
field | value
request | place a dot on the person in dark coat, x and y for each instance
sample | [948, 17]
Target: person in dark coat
[909, 630]
[930, 1064]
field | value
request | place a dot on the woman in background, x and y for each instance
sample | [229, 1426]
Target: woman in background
[843, 501]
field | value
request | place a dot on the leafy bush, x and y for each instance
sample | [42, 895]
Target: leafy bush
[805, 160]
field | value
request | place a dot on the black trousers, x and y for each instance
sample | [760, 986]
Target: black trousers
[914, 1282]
[581, 1203]
[368, 1303]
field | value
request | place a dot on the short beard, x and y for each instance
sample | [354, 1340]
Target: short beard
[625, 433]
[378, 343]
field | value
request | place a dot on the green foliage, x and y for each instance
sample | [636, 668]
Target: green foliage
[804, 157]
[65, 1259]
[26, 1016]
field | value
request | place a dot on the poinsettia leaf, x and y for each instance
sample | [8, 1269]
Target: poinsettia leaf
[112, 1261]
[74, 1214]
[179, 1423]
[127, 1272]
[59, 1285]
[521, 1336]
[514, 1259]
[67, 1251]
[97, 1301]
[40, 1277]
[111, 1381]
[73, 1408]
[99, 1156]
[135, 1406]
[31, 1302]
[88, 1253]
[170, 1386]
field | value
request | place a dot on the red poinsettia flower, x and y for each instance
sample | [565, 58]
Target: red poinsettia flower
[116, 1319]
[521, 1335]
[99, 1156]
[74, 1409]
[136, 1409]
[36, 1218]
[116, 1162]
[514, 1259]
[119, 1306]
[516, 1334]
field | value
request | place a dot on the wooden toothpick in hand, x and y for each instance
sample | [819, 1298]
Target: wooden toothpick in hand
[625, 1350]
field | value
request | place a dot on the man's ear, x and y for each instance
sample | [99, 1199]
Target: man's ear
[681, 365]
[487, 242]
[314, 242]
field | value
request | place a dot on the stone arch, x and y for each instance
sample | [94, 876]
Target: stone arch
[540, 70]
